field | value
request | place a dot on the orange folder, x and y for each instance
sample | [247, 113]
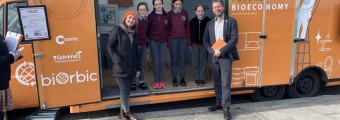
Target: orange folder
[218, 44]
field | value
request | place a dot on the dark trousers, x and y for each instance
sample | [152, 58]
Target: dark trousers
[141, 65]
[199, 61]
[124, 87]
[2, 116]
[158, 51]
[221, 71]
[177, 53]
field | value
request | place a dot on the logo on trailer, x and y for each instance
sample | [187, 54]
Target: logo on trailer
[25, 74]
[63, 78]
[68, 58]
[60, 39]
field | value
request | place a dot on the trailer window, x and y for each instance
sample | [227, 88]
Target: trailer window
[2, 20]
[13, 18]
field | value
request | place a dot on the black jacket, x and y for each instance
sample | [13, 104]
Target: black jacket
[123, 53]
[6, 60]
[230, 33]
[197, 29]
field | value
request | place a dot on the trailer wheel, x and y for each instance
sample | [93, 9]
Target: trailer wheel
[268, 93]
[306, 85]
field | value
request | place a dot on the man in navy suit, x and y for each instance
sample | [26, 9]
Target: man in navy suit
[221, 28]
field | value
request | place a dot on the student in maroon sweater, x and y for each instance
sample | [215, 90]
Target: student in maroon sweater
[142, 27]
[179, 40]
[198, 51]
[158, 34]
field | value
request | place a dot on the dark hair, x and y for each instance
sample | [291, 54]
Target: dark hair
[216, 1]
[154, 10]
[199, 5]
[143, 3]
[173, 1]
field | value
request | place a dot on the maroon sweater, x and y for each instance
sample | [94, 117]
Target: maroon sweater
[179, 25]
[142, 28]
[158, 27]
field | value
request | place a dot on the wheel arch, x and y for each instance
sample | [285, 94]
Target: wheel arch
[320, 73]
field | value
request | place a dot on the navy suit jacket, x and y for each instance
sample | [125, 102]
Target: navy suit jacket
[230, 34]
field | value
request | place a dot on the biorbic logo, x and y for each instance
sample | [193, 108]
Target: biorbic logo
[63, 78]
[60, 39]
[68, 58]
[25, 74]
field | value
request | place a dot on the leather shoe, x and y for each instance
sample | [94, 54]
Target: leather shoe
[143, 86]
[215, 107]
[226, 113]
[133, 87]
[122, 116]
[174, 82]
[131, 116]
[182, 82]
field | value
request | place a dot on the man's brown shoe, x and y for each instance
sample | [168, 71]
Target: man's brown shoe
[131, 116]
[122, 116]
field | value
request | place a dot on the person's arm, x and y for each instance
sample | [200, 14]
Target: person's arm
[233, 38]
[206, 39]
[187, 28]
[149, 26]
[192, 34]
[112, 43]
[6, 60]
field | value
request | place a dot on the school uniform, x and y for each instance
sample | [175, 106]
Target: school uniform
[179, 40]
[142, 40]
[158, 34]
[199, 52]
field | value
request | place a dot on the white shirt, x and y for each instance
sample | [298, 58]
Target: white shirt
[219, 24]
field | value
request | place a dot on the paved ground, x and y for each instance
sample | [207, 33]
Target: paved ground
[325, 107]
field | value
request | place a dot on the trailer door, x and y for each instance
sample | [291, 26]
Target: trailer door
[67, 64]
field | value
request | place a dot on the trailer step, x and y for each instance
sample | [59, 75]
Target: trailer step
[49, 114]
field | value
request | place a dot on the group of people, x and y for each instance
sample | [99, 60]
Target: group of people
[159, 30]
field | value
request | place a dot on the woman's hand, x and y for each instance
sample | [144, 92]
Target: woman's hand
[16, 55]
[137, 73]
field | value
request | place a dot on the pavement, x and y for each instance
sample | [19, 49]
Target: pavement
[322, 107]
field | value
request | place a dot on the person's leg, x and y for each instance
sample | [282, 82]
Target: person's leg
[142, 51]
[5, 116]
[1, 115]
[203, 63]
[195, 62]
[154, 49]
[304, 27]
[226, 69]
[124, 87]
[216, 72]
[162, 54]
[181, 56]
[174, 57]
[300, 17]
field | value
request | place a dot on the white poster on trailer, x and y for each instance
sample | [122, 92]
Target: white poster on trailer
[34, 22]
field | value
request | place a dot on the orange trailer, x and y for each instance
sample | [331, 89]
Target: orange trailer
[67, 70]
